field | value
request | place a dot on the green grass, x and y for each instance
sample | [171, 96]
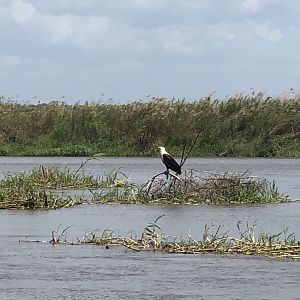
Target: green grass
[31, 190]
[243, 126]
[30, 197]
[53, 177]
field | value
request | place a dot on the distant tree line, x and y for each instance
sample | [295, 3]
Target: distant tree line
[243, 125]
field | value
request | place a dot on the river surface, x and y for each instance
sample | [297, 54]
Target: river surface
[43, 271]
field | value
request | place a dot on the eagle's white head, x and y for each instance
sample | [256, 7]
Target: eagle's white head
[162, 151]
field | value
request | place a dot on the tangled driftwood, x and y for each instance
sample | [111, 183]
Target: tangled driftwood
[194, 187]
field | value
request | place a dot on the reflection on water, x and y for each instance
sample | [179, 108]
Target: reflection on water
[41, 271]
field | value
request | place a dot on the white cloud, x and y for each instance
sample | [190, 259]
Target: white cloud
[83, 31]
[228, 44]
[174, 42]
[269, 34]
[21, 11]
[80, 30]
[253, 5]
[229, 36]
[149, 4]
[9, 61]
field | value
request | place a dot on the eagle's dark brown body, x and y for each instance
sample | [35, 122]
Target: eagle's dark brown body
[169, 161]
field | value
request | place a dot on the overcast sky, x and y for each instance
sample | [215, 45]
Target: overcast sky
[128, 49]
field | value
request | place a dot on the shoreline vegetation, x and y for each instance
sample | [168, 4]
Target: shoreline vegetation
[239, 126]
[38, 189]
[281, 245]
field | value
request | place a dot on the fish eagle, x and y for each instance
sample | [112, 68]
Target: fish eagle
[169, 161]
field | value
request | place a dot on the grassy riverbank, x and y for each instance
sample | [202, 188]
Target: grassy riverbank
[241, 126]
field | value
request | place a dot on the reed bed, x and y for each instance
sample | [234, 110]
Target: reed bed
[32, 190]
[53, 177]
[253, 125]
[30, 197]
[281, 245]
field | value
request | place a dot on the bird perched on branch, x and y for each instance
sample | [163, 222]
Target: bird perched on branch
[169, 161]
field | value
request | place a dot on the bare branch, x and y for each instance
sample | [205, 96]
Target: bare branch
[190, 149]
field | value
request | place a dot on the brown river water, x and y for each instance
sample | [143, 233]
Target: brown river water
[43, 271]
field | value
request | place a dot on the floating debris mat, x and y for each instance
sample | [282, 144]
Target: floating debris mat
[281, 245]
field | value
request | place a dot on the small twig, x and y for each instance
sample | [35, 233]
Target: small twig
[182, 153]
[83, 163]
[182, 162]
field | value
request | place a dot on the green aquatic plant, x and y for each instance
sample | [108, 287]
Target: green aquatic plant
[30, 197]
[32, 189]
[54, 177]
